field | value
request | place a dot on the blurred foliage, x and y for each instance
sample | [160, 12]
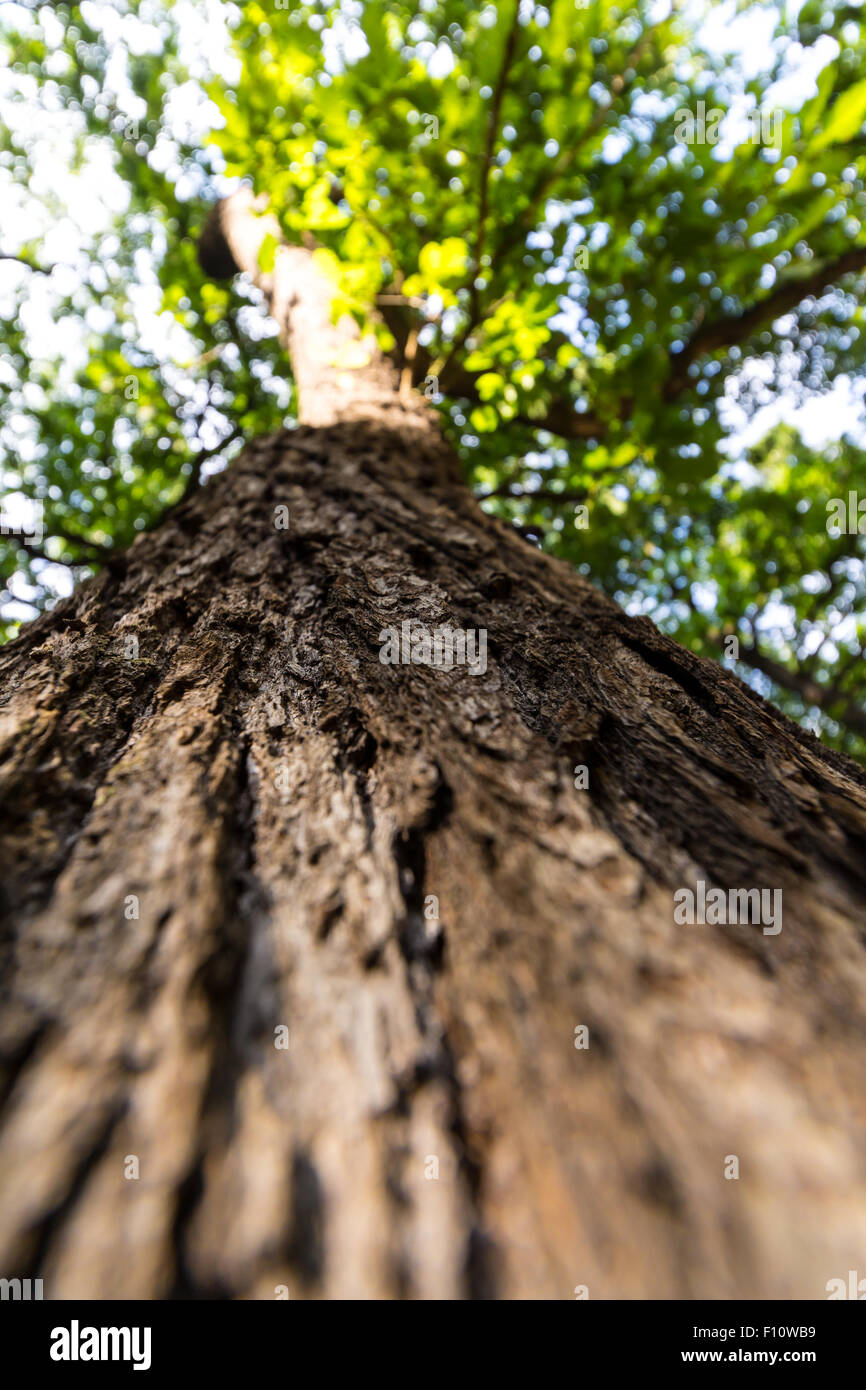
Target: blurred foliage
[591, 234]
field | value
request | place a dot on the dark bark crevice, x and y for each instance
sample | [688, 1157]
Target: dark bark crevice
[41, 1237]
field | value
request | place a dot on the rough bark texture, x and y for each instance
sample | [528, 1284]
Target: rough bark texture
[282, 804]
[240, 831]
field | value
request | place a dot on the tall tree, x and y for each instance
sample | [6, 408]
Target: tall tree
[646, 269]
[342, 975]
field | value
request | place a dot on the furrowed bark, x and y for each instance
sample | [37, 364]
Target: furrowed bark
[243, 830]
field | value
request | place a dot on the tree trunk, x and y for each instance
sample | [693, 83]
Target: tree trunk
[256, 832]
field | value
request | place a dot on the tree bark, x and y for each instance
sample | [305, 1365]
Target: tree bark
[241, 831]
[338, 375]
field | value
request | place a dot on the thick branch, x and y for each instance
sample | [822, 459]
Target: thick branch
[540, 494]
[738, 328]
[561, 418]
[852, 714]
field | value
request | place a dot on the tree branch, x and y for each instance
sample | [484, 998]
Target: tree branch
[727, 332]
[25, 260]
[541, 494]
[203, 455]
[853, 715]
[847, 548]
[96, 548]
[25, 542]
[526, 221]
[492, 132]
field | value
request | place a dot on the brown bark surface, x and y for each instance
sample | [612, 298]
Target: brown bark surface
[241, 829]
[282, 804]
